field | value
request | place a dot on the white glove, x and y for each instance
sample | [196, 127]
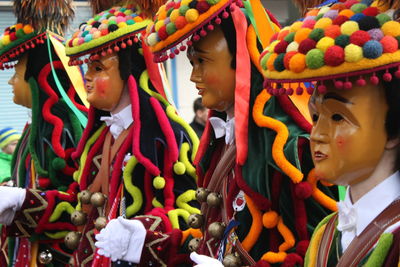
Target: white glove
[204, 261]
[11, 200]
[122, 239]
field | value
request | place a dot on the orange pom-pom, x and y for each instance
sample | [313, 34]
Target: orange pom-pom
[313, 12]
[332, 31]
[297, 63]
[302, 34]
[282, 34]
[271, 60]
[346, 12]
[270, 219]
[389, 44]
[28, 29]
[287, 58]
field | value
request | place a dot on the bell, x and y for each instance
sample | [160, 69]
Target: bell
[214, 199]
[195, 221]
[45, 257]
[232, 260]
[216, 230]
[98, 199]
[72, 239]
[100, 223]
[78, 218]
[201, 194]
[194, 244]
[85, 196]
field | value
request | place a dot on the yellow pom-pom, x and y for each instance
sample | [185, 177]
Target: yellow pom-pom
[159, 24]
[174, 15]
[325, 42]
[293, 46]
[75, 42]
[353, 53]
[297, 63]
[185, 2]
[270, 219]
[391, 28]
[96, 34]
[270, 61]
[162, 14]
[122, 24]
[191, 15]
[296, 26]
[159, 182]
[349, 27]
[272, 45]
[323, 23]
[161, 9]
[179, 168]
[302, 34]
[6, 39]
[28, 29]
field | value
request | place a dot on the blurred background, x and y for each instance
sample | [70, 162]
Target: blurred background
[182, 90]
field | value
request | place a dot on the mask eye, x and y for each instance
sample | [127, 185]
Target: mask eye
[315, 117]
[337, 117]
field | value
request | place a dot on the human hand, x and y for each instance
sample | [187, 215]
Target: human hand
[204, 261]
[11, 200]
[122, 239]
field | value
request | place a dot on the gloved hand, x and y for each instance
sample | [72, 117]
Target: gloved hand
[122, 239]
[11, 200]
[204, 261]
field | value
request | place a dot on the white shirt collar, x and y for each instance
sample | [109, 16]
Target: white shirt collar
[369, 206]
[119, 121]
[222, 128]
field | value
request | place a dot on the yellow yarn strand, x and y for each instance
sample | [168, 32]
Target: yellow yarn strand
[282, 134]
[185, 160]
[60, 208]
[184, 198]
[134, 191]
[57, 235]
[174, 215]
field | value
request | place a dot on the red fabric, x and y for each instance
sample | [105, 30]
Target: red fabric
[168, 191]
[85, 134]
[290, 109]
[71, 94]
[242, 87]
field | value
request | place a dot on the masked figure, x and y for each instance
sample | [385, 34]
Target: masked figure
[256, 208]
[348, 53]
[42, 159]
[136, 153]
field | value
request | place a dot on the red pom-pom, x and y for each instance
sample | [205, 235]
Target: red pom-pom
[348, 85]
[349, 3]
[360, 38]
[332, 31]
[13, 36]
[210, 27]
[104, 32]
[334, 56]
[196, 37]
[109, 51]
[299, 90]
[202, 6]
[44, 182]
[389, 44]
[374, 80]
[172, 56]
[310, 90]
[162, 33]
[361, 82]
[262, 263]
[103, 53]
[281, 47]
[306, 45]
[273, 37]
[290, 91]
[182, 48]
[168, 6]
[116, 48]
[309, 24]
[180, 22]
[176, 6]
[281, 91]
[339, 20]
[387, 77]
[287, 57]
[123, 45]
[322, 89]
[338, 84]
[292, 259]
[129, 42]
[397, 74]
[303, 190]
[302, 247]
[176, 51]
[203, 33]
[371, 11]
[225, 15]
[217, 21]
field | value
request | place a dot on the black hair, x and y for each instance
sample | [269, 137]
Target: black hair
[228, 28]
[197, 105]
[131, 62]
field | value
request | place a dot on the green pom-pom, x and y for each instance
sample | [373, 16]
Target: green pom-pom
[62, 188]
[290, 37]
[318, 17]
[358, 8]
[96, 18]
[171, 28]
[183, 9]
[315, 59]
[342, 40]
[278, 63]
[264, 61]
[317, 34]
[58, 163]
[130, 22]
[20, 33]
[213, 2]
[159, 182]
[179, 168]
[170, 11]
[383, 18]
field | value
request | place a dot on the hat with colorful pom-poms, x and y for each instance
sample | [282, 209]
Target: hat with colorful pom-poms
[33, 19]
[107, 32]
[180, 22]
[334, 41]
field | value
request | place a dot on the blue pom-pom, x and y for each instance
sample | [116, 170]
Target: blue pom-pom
[88, 38]
[372, 49]
[367, 2]
[357, 17]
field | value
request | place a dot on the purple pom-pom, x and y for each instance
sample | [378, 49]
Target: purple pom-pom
[332, 14]
[376, 34]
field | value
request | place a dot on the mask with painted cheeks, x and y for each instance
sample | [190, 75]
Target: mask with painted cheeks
[348, 137]
[212, 72]
[21, 89]
[104, 85]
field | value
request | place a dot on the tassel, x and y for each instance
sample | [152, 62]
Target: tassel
[45, 14]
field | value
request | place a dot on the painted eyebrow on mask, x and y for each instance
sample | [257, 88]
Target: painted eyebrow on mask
[337, 97]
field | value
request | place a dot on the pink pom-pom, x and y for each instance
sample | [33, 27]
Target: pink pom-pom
[225, 15]
[217, 21]
[203, 33]
[374, 80]
[322, 89]
[210, 27]
[338, 84]
[196, 37]
[387, 77]
[348, 85]
[361, 82]
[397, 74]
